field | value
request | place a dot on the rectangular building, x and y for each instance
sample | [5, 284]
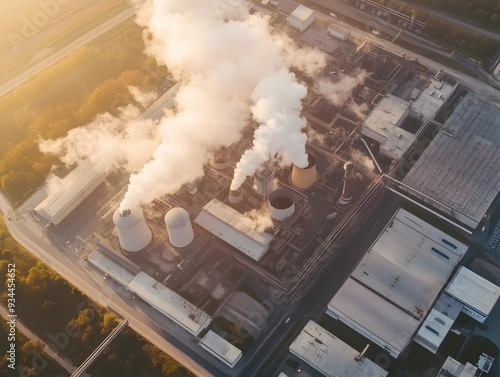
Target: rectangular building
[234, 228]
[221, 348]
[459, 168]
[330, 355]
[339, 32]
[394, 287]
[301, 18]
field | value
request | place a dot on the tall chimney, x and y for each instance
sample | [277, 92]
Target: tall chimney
[304, 178]
[263, 182]
[235, 196]
[346, 196]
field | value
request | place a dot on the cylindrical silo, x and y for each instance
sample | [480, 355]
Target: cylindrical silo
[263, 182]
[235, 196]
[133, 232]
[304, 178]
[221, 159]
[281, 204]
[180, 231]
[346, 196]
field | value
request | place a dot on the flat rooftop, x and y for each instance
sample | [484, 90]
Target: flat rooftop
[395, 285]
[302, 13]
[110, 267]
[170, 303]
[221, 348]
[234, 228]
[388, 113]
[330, 355]
[432, 98]
[473, 290]
[460, 166]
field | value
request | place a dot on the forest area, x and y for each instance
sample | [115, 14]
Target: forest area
[92, 80]
[62, 316]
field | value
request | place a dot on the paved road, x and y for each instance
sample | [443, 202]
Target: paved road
[66, 364]
[456, 20]
[26, 75]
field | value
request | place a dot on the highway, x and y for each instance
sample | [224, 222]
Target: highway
[47, 62]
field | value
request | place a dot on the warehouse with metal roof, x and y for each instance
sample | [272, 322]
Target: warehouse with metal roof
[459, 168]
[394, 287]
[330, 355]
[71, 191]
[234, 228]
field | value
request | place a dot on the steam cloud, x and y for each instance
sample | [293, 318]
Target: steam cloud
[230, 67]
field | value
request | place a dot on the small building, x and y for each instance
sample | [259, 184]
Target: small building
[221, 348]
[477, 294]
[71, 191]
[301, 18]
[339, 32]
[383, 125]
[453, 368]
[432, 98]
[330, 355]
[234, 228]
[394, 287]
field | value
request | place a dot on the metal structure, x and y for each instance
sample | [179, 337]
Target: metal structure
[180, 231]
[346, 196]
[263, 182]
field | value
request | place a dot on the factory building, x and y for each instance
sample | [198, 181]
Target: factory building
[72, 190]
[432, 98]
[391, 291]
[339, 32]
[234, 228]
[330, 355]
[459, 168]
[383, 125]
[221, 348]
[301, 18]
[133, 232]
[180, 231]
[169, 303]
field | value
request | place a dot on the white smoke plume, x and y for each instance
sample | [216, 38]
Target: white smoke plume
[143, 99]
[122, 141]
[225, 61]
[277, 109]
[361, 159]
[261, 218]
[339, 92]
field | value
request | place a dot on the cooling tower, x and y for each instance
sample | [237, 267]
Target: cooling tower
[235, 196]
[281, 204]
[304, 178]
[180, 231]
[263, 182]
[133, 232]
[221, 159]
[348, 180]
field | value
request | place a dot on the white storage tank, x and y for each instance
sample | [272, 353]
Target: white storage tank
[281, 204]
[133, 232]
[180, 231]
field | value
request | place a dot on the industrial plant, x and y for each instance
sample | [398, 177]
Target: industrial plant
[387, 223]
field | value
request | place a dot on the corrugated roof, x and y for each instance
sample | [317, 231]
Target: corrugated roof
[459, 168]
[330, 355]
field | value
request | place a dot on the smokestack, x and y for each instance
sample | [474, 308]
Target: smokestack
[133, 232]
[362, 354]
[346, 196]
[235, 196]
[221, 159]
[304, 178]
[282, 204]
[263, 182]
[180, 231]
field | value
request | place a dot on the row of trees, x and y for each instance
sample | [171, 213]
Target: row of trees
[68, 95]
[64, 318]
[482, 11]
